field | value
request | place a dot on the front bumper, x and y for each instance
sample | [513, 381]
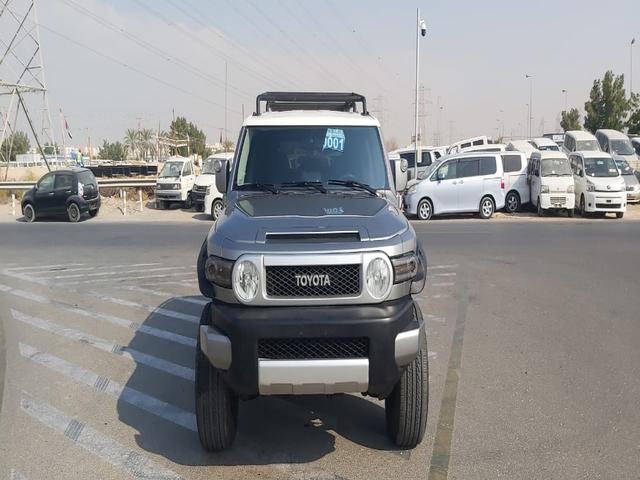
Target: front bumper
[633, 196]
[605, 201]
[175, 195]
[197, 198]
[557, 200]
[394, 329]
[410, 203]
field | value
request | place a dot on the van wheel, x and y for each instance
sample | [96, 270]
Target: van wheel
[216, 404]
[512, 202]
[619, 214]
[583, 210]
[570, 213]
[73, 212]
[188, 203]
[29, 213]
[407, 406]
[425, 209]
[217, 208]
[160, 205]
[540, 209]
[487, 207]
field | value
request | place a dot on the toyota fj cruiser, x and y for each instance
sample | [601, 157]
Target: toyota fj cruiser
[310, 270]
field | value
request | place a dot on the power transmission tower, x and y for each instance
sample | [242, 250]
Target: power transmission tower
[23, 88]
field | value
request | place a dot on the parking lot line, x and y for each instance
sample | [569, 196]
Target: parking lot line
[97, 342]
[107, 273]
[35, 267]
[444, 274]
[94, 267]
[159, 310]
[443, 284]
[131, 461]
[126, 279]
[112, 388]
[121, 322]
[441, 267]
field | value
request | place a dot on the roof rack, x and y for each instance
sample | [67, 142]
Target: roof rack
[284, 101]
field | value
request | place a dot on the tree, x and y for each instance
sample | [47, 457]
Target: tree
[146, 142]
[633, 123]
[608, 105]
[15, 144]
[115, 151]
[180, 129]
[132, 142]
[570, 120]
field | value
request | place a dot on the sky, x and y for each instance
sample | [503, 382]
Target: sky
[119, 64]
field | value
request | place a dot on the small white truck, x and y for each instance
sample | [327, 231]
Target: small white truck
[175, 182]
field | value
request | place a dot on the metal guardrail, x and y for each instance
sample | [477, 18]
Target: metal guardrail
[106, 183]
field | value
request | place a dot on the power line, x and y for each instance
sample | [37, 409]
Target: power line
[134, 69]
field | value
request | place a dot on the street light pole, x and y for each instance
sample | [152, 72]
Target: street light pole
[421, 29]
[530, 77]
[633, 40]
[565, 99]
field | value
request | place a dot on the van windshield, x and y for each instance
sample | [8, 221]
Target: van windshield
[208, 166]
[624, 167]
[600, 167]
[171, 169]
[587, 145]
[555, 167]
[286, 155]
[622, 147]
[553, 148]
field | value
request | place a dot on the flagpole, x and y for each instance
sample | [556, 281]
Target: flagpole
[64, 143]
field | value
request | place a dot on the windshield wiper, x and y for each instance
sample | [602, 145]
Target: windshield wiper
[316, 185]
[265, 187]
[355, 185]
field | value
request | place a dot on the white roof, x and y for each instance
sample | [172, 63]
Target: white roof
[549, 154]
[544, 141]
[580, 134]
[593, 154]
[613, 133]
[521, 146]
[177, 159]
[311, 117]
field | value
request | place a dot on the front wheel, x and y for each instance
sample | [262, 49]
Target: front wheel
[570, 213]
[73, 212]
[583, 209]
[217, 208]
[425, 209]
[619, 214]
[540, 209]
[216, 404]
[188, 203]
[407, 406]
[512, 202]
[29, 213]
[487, 207]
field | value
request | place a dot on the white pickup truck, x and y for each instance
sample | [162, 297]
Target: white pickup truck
[175, 182]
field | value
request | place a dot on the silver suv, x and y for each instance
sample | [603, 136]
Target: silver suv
[310, 270]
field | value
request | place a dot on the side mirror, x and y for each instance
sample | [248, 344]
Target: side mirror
[221, 167]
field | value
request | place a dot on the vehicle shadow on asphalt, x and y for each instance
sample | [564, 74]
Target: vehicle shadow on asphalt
[271, 430]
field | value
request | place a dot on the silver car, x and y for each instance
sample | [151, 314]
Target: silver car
[631, 180]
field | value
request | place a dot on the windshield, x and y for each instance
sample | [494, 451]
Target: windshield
[285, 155]
[553, 148]
[86, 178]
[171, 169]
[624, 167]
[622, 147]
[587, 145]
[207, 166]
[555, 167]
[600, 167]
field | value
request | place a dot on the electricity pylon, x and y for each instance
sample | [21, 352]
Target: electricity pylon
[23, 87]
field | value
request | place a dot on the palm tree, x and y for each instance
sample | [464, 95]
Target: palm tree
[132, 142]
[146, 137]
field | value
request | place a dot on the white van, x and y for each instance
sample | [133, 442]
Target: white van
[543, 143]
[599, 185]
[428, 156]
[579, 140]
[491, 147]
[466, 143]
[618, 145]
[521, 146]
[516, 187]
[206, 179]
[551, 182]
[175, 182]
[463, 183]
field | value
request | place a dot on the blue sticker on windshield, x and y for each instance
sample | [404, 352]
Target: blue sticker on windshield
[334, 140]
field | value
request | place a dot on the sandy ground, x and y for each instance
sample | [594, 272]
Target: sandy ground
[112, 210]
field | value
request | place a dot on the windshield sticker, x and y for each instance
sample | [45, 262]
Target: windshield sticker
[612, 170]
[334, 140]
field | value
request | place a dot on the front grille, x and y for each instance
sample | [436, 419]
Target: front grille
[608, 205]
[313, 281]
[629, 188]
[558, 200]
[313, 348]
[200, 188]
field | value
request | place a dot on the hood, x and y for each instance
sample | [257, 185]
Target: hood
[257, 223]
[169, 180]
[557, 184]
[205, 179]
[605, 184]
[631, 179]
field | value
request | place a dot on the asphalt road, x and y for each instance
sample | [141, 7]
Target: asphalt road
[534, 329]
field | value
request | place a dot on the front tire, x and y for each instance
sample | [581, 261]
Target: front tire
[487, 207]
[407, 406]
[425, 209]
[619, 214]
[512, 202]
[188, 203]
[570, 213]
[216, 404]
[29, 213]
[540, 209]
[73, 212]
[217, 207]
[583, 208]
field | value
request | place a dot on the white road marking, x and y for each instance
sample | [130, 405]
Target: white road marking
[432, 354]
[82, 269]
[104, 274]
[122, 322]
[443, 284]
[196, 300]
[444, 274]
[440, 295]
[131, 461]
[97, 342]
[159, 310]
[440, 267]
[182, 283]
[32, 267]
[15, 475]
[102, 384]
[126, 279]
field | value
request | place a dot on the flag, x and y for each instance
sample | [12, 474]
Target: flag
[66, 127]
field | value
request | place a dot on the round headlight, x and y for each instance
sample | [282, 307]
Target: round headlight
[246, 280]
[378, 278]
[404, 165]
